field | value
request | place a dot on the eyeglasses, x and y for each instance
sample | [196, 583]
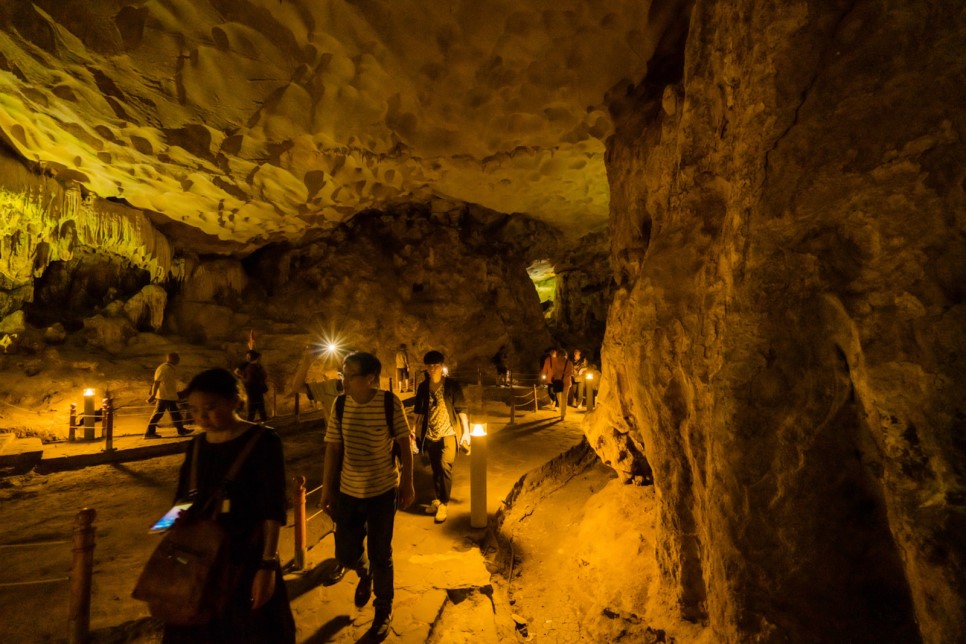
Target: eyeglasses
[435, 366]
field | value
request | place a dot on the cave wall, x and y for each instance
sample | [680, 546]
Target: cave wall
[440, 276]
[100, 275]
[786, 344]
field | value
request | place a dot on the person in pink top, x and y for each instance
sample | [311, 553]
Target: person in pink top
[558, 371]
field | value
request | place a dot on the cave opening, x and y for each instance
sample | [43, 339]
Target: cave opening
[544, 280]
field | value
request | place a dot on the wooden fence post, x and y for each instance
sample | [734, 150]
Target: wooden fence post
[79, 613]
[108, 425]
[72, 430]
[513, 407]
[299, 507]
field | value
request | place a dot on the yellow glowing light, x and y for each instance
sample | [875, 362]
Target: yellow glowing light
[479, 429]
[590, 376]
[88, 392]
[330, 346]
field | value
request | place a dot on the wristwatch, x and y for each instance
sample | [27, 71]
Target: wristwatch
[268, 564]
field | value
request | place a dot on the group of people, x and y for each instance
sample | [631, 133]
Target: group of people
[367, 476]
[566, 379]
[165, 397]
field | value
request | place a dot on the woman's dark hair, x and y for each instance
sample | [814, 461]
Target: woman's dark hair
[369, 364]
[434, 357]
[219, 382]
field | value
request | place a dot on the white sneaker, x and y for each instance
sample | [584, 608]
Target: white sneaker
[440, 513]
[432, 507]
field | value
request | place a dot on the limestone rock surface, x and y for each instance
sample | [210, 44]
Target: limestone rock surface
[786, 344]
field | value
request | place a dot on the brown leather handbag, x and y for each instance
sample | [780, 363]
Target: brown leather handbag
[189, 577]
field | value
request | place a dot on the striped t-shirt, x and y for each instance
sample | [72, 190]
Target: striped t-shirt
[368, 467]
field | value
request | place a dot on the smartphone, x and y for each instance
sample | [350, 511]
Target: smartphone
[167, 520]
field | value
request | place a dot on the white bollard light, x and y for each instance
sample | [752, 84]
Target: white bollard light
[89, 414]
[478, 515]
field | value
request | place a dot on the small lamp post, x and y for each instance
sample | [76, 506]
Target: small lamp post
[89, 414]
[478, 516]
[591, 391]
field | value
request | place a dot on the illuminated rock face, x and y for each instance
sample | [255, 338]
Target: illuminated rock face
[258, 119]
[787, 341]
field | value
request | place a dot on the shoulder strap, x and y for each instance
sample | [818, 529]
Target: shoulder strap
[390, 411]
[214, 502]
[243, 455]
[193, 477]
[387, 401]
[340, 407]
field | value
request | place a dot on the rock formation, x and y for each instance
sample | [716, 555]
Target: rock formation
[785, 345]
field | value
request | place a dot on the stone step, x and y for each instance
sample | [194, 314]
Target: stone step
[20, 454]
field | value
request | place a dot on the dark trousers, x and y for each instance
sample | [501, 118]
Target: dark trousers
[372, 520]
[166, 406]
[442, 455]
[552, 393]
[256, 404]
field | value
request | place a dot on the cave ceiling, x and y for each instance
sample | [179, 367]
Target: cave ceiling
[261, 120]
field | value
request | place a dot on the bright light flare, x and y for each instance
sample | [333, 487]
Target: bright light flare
[479, 429]
[330, 345]
[89, 392]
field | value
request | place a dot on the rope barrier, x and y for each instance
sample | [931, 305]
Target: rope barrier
[307, 519]
[11, 405]
[13, 584]
[31, 545]
[80, 578]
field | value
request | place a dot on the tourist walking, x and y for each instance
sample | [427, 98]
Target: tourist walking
[255, 379]
[362, 484]
[164, 393]
[252, 512]
[442, 424]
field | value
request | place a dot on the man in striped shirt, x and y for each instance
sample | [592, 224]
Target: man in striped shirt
[362, 484]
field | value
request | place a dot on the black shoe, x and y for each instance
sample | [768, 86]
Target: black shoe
[185, 432]
[380, 626]
[363, 591]
[336, 575]
[152, 435]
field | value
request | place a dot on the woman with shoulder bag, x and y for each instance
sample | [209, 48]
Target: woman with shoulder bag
[252, 510]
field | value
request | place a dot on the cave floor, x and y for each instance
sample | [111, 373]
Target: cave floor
[444, 589]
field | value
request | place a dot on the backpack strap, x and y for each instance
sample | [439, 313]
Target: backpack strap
[390, 411]
[387, 402]
[340, 407]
